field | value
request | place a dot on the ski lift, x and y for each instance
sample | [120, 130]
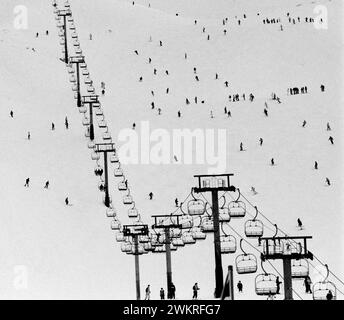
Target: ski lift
[237, 209]
[254, 228]
[299, 269]
[115, 225]
[321, 289]
[99, 112]
[266, 283]
[178, 242]
[102, 124]
[98, 171]
[128, 199]
[85, 121]
[224, 215]
[228, 244]
[159, 249]
[88, 80]
[132, 212]
[72, 26]
[110, 213]
[197, 234]
[95, 155]
[75, 87]
[76, 43]
[82, 109]
[122, 186]
[78, 51]
[246, 262]
[187, 238]
[85, 72]
[61, 33]
[148, 246]
[126, 247]
[90, 89]
[74, 35]
[70, 19]
[91, 145]
[114, 158]
[107, 136]
[62, 41]
[207, 224]
[118, 171]
[185, 222]
[120, 237]
[83, 65]
[144, 239]
[196, 207]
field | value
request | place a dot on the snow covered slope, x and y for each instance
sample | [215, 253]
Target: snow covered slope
[70, 252]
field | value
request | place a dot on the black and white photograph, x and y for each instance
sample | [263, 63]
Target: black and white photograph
[171, 150]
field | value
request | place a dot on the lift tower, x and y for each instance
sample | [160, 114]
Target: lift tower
[77, 60]
[214, 184]
[65, 14]
[285, 249]
[93, 102]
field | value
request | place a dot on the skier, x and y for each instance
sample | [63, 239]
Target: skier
[37, 34]
[299, 223]
[166, 71]
[196, 100]
[103, 92]
[229, 114]
[329, 295]
[173, 291]
[226, 84]
[216, 76]
[151, 196]
[152, 92]
[316, 165]
[179, 114]
[140, 80]
[307, 283]
[211, 115]
[225, 109]
[148, 292]
[328, 181]
[260, 141]
[137, 53]
[253, 189]
[67, 201]
[304, 123]
[176, 202]
[160, 43]
[162, 294]
[195, 289]
[187, 101]
[266, 112]
[11, 114]
[52, 126]
[240, 286]
[331, 139]
[152, 104]
[278, 285]
[208, 37]
[47, 32]
[167, 90]
[149, 60]
[328, 128]
[196, 77]
[29, 135]
[272, 161]
[27, 182]
[241, 146]
[185, 56]
[46, 185]
[154, 71]
[66, 122]
[134, 126]
[91, 37]
[159, 111]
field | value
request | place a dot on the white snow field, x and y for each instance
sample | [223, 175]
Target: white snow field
[53, 251]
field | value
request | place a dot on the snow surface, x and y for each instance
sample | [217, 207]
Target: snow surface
[71, 252]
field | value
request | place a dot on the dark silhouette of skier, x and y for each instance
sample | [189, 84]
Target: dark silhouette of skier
[179, 114]
[27, 182]
[66, 123]
[307, 283]
[162, 294]
[134, 126]
[29, 135]
[240, 286]
[67, 201]
[172, 291]
[316, 165]
[328, 181]
[299, 223]
[260, 141]
[266, 112]
[195, 289]
[304, 123]
[136, 52]
[241, 146]
[329, 295]
[176, 202]
[328, 128]
[278, 285]
[229, 114]
[11, 114]
[331, 139]
[52, 126]
[151, 196]
[46, 185]
[272, 161]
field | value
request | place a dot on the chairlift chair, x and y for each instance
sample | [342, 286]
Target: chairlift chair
[118, 172]
[237, 208]
[299, 269]
[115, 225]
[207, 224]
[265, 284]
[133, 213]
[95, 155]
[254, 228]
[128, 199]
[187, 238]
[120, 237]
[102, 124]
[246, 262]
[228, 244]
[110, 212]
[322, 288]
[196, 207]
[114, 158]
[178, 242]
